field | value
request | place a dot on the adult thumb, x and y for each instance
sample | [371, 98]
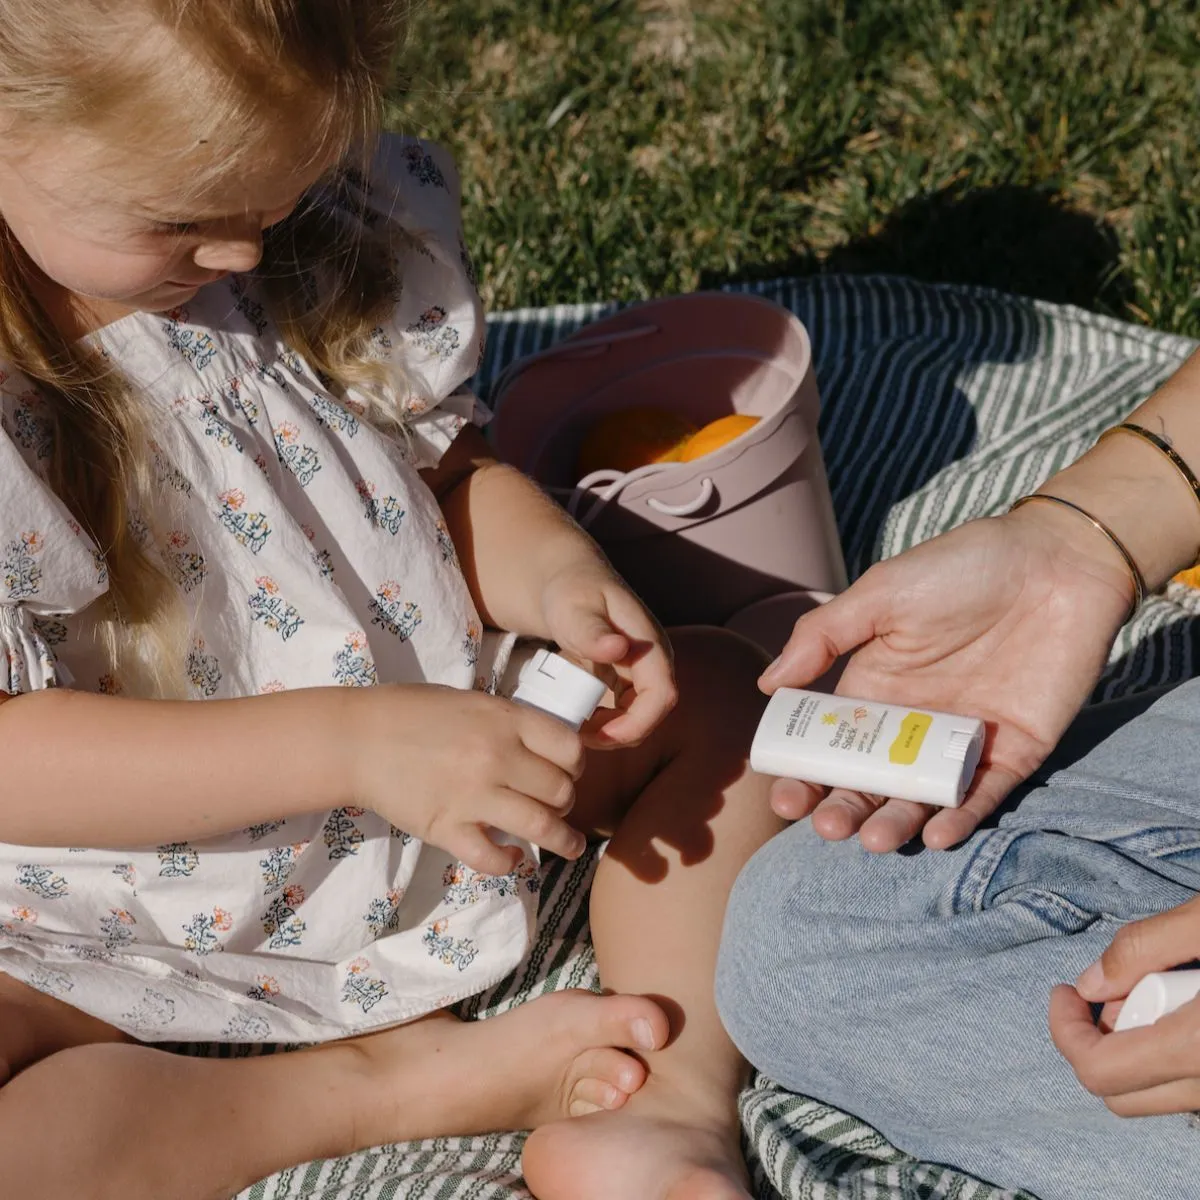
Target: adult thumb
[823, 635]
[1140, 948]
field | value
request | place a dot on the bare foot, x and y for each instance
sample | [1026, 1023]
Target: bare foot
[562, 1055]
[639, 1154]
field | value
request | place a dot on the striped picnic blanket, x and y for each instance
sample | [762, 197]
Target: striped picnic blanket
[940, 404]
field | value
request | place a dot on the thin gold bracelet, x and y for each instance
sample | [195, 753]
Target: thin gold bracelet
[1163, 447]
[1139, 581]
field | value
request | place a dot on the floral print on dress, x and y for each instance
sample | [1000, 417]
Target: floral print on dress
[360, 988]
[465, 886]
[168, 474]
[433, 335]
[278, 866]
[472, 643]
[353, 665]
[446, 544]
[265, 989]
[332, 415]
[204, 672]
[42, 882]
[52, 631]
[422, 167]
[116, 928]
[31, 431]
[300, 459]
[450, 951]
[127, 873]
[246, 1027]
[187, 566]
[250, 529]
[200, 933]
[281, 923]
[267, 606]
[194, 345]
[235, 394]
[50, 981]
[20, 569]
[341, 835]
[153, 1012]
[385, 513]
[263, 829]
[398, 616]
[217, 427]
[177, 860]
[249, 307]
[383, 913]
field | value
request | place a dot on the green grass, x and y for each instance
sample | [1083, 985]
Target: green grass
[632, 148]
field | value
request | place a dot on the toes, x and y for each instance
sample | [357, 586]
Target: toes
[632, 1022]
[591, 1095]
[611, 1068]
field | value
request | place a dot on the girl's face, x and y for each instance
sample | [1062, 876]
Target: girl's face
[102, 242]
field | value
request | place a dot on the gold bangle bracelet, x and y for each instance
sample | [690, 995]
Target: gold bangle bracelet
[1163, 447]
[1139, 581]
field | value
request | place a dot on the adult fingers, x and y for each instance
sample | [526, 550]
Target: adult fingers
[1140, 948]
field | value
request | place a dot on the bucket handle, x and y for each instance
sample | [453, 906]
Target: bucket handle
[688, 508]
[612, 483]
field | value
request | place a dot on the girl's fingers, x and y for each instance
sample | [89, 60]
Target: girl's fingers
[552, 740]
[531, 775]
[1180, 1097]
[471, 845]
[522, 817]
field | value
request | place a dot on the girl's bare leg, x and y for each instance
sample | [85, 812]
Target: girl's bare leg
[87, 1115]
[693, 814]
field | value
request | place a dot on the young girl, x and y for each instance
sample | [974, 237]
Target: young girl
[239, 465]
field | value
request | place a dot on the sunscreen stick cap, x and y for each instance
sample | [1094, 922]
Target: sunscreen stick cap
[1155, 997]
[558, 687]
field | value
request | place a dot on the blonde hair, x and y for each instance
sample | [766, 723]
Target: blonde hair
[219, 73]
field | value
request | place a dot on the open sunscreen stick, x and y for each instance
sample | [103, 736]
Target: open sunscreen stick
[560, 688]
[882, 749]
[1155, 996]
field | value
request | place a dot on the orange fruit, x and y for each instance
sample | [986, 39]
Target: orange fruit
[715, 435]
[1191, 577]
[632, 438]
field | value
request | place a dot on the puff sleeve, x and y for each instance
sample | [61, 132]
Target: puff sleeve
[49, 568]
[436, 331]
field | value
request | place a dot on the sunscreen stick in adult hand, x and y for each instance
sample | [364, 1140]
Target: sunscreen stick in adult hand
[1155, 997]
[882, 749]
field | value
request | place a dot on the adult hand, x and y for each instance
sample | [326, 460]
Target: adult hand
[1141, 1072]
[1007, 619]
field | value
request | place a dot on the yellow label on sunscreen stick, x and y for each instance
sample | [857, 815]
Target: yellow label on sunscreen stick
[908, 741]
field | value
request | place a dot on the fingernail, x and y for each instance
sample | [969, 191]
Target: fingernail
[1092, 981]
[643, 1034]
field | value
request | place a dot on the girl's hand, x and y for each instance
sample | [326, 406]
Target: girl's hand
[445, 765]
[592, 615]
[1007, 619]
[1141, 1072]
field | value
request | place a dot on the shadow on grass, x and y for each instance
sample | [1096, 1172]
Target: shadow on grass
[1015, 239]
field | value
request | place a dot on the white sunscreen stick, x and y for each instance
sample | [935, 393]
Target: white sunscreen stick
[882, 749]
[1155, 997]
[560, 688]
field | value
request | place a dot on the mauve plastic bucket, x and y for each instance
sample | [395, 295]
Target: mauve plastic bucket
[698, 541]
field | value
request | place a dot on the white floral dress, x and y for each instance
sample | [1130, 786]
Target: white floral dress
[309, 553]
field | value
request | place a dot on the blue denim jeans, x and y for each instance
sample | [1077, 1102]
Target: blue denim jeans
[912, 989]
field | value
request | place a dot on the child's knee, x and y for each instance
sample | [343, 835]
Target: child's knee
[717, 672]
